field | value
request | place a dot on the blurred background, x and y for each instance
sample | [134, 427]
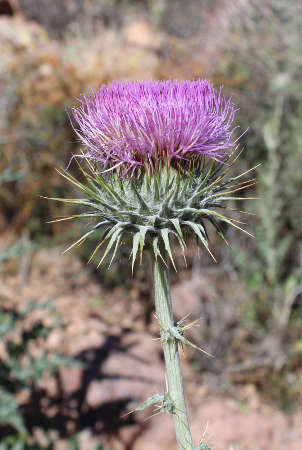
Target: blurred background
[76, 350]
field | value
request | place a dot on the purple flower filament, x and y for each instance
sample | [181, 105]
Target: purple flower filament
[131, 124]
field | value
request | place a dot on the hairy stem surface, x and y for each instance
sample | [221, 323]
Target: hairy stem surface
[164, 314]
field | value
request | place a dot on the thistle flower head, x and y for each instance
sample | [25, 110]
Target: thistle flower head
[149, 123]
[183, 129]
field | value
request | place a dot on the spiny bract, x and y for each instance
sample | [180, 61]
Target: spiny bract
[150, 208]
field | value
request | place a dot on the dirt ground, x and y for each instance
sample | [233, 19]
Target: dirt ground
[123, 366]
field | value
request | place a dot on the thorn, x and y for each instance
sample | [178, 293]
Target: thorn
[184, 318]
[128, 413]
[95, 250]
[152, 415]
[213, 257]
[190, 325]
[247, 171]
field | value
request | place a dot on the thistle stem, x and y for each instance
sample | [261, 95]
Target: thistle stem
[164, 314]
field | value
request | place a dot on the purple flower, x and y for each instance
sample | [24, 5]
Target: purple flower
[136, 123]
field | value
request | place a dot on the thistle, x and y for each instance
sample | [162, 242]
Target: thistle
[155, 169]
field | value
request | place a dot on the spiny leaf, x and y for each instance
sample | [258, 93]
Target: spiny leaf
[176, 224]
[117, 244]
[106, 231]
[121, 185]
[225, 219]
[78, 184]
[240, 198]
[176, 191]
[76, 216]
[199, 230]
[182, 339]
[181, 244]
[207, 175]
[156, 398]
[140, 199]
[156, 250]
[110, 244]
[155, 247]
[142, 230]
[79, 241]
[164, 205]
[167, 179]
[106, 235]
[100, 224]
[219, 230]
[74, 201]
[147, 182]
[165, 237]
[84, 202]
[110, 191]
[244, 173]
[182, 247]
[135, 245]
[189, 175]
[94, 193]
[241, 183]
[240, 211]
[221, 194]
[156, 187]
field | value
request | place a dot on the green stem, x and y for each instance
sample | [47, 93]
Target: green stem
[164, 313]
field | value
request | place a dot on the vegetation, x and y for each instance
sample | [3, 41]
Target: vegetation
[254, 328]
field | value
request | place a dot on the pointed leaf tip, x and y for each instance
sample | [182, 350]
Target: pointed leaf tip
[199, 231]
[177, 227]
[113, 239]
[135, 245]
[142, 231]
[165, 237]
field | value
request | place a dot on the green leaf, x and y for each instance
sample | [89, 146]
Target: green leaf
[142, 230]
[167, 179]
[155, 247]
[7, 323]
[135, 245]
[9, 412]
[112, 192]
[156, 398]
[79, 241]
[176, 190]
[143, 204]
[156, 187]
[165, 237]
[181, 244]
[97, 193]
[203, 182]
[224, 219]
[117, 244]
[113, 238]
[186, 341]
[199, 231]
[177, 227]
[78, 184]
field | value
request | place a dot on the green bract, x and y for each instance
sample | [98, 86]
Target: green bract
[149, 209]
